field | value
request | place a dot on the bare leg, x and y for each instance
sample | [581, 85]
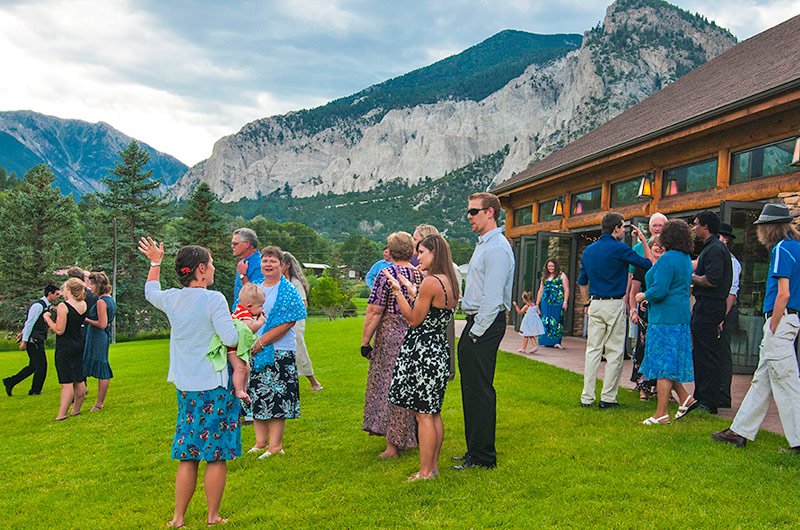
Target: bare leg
[80, 393]
[239, 376]
[185, 484]
[681, 391]
[315, 385]
[215, 487]
[391, 451]
[426, 432]
[262, 433]
[102, 390]
[534, 344]
[524, 344]
[67, 394]
[439, 424]
[276, 428]
[664, 387]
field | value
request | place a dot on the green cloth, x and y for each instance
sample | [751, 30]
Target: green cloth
[218, 352]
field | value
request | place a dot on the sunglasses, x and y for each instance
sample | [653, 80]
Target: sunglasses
[474, 211]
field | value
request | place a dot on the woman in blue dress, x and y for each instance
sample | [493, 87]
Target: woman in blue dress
[98, 337]
[207, 426]
[552, 302]
[668, 351]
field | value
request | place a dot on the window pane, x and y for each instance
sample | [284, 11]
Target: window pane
[587, 201]
[546, 210]
[626, 192]
[764, 161]
[523, 216]
[694, 177]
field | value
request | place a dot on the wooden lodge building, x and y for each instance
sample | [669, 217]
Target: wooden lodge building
[720, 138]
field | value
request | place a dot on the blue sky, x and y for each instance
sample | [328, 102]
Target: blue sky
[179, 75]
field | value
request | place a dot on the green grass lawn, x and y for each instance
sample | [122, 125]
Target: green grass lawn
[559, 464]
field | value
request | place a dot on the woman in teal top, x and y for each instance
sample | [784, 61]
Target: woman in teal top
[98, 337]
[668, 352]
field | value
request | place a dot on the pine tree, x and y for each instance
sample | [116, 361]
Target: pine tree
[41, 234]
[203, 226]
[133, 200]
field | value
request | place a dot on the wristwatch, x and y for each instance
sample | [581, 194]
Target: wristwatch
[242, 276]
[474, 337]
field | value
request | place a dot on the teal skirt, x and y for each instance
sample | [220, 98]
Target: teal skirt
[208, 426]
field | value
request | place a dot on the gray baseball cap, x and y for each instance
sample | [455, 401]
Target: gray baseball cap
[774, 213]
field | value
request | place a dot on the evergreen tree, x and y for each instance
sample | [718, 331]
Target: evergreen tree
[203, 226]
[133, 200]
[41, 234]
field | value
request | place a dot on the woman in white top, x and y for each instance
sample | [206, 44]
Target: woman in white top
[294, 273]
[208, 412]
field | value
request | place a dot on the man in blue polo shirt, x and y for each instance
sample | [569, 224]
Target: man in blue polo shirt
[244, 245]
[604, 267]
[777, 374]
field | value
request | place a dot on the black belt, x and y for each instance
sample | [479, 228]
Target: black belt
[607, 297]
[788, 312]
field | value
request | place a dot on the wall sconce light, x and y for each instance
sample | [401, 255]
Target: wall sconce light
[796, 157]
[672, 187]
[646, 186]
[578, 207]
[558, 207]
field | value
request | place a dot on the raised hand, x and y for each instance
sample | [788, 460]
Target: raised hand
[152, 250]
[410, 287]
[393, 283]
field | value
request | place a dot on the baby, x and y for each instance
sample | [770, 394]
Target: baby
[249, 311]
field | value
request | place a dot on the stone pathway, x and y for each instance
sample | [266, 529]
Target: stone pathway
[572, 358]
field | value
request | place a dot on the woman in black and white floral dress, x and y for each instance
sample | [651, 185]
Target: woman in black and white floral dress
[422, 367]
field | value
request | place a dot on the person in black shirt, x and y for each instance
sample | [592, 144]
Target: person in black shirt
[711, 284]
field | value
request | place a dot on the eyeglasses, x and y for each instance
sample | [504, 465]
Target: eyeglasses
[234, 243]
[474, 211]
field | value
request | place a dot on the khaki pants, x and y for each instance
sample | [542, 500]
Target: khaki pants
[776, 377]
[606, 332]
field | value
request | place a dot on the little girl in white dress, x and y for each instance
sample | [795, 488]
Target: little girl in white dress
[531, 326]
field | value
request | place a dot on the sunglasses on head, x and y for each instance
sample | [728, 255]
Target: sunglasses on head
[474, 211]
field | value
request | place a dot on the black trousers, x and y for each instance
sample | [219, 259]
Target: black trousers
[476, 364]
[731, 326]
[37, 365]
[708, 351]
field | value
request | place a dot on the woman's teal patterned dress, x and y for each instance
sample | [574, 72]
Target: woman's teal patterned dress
[552, 314]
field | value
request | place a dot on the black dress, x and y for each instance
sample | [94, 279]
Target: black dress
[422, 367]
[69, 348]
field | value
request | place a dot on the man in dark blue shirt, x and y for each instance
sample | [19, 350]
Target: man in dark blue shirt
[604, 267]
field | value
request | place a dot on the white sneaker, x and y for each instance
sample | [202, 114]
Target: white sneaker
[268, 454]
[255, 449]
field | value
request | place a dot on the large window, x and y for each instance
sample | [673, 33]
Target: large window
[626, 192]
[692, 177]
[586, 201]
[552, 209]
[763, 161]
[523, 216]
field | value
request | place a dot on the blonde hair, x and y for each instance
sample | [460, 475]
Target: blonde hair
[75, 288]
[251, 293]
[401, 246]
[426, 230]
[770, 233]
[100, 283]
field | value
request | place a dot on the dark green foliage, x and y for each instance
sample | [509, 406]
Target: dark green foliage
[359, 252]
[472, 75]
[41, 234]
[8, 180]
[203, 225]
[132, 198]
[303, 242]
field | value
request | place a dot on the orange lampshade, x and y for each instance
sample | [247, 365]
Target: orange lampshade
[796, 157]
[645, 187]
[558, 207]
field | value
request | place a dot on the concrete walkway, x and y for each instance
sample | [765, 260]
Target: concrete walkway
[572, 358]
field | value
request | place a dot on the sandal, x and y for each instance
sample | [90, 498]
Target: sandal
[652, 420]
[221, 520]
[686, 408]
[559, 346]
[417, 476]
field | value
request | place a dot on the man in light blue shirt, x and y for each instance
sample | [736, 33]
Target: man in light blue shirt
[486, 299]
[244, 245]
[378, 266]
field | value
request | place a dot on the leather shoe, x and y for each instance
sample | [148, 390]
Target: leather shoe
[706, 408]
[586, 405]
[469, 464]
[9, 386]
[790, 450]
[608, 404]
[459, 458]
[729, 437]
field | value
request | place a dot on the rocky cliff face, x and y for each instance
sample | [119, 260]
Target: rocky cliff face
[641, 46]
[79, 153]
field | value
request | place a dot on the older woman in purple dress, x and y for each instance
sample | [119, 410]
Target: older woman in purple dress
[387, 325]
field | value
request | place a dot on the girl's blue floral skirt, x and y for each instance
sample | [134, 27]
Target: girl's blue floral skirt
[208, 426]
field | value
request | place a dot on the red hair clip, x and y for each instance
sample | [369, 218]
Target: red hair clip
[185, 270]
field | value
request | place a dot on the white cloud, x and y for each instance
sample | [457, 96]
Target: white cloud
[745, 18]
[325, 16]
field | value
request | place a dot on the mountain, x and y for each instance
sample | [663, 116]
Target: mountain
[79, 153]
[541, 93]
